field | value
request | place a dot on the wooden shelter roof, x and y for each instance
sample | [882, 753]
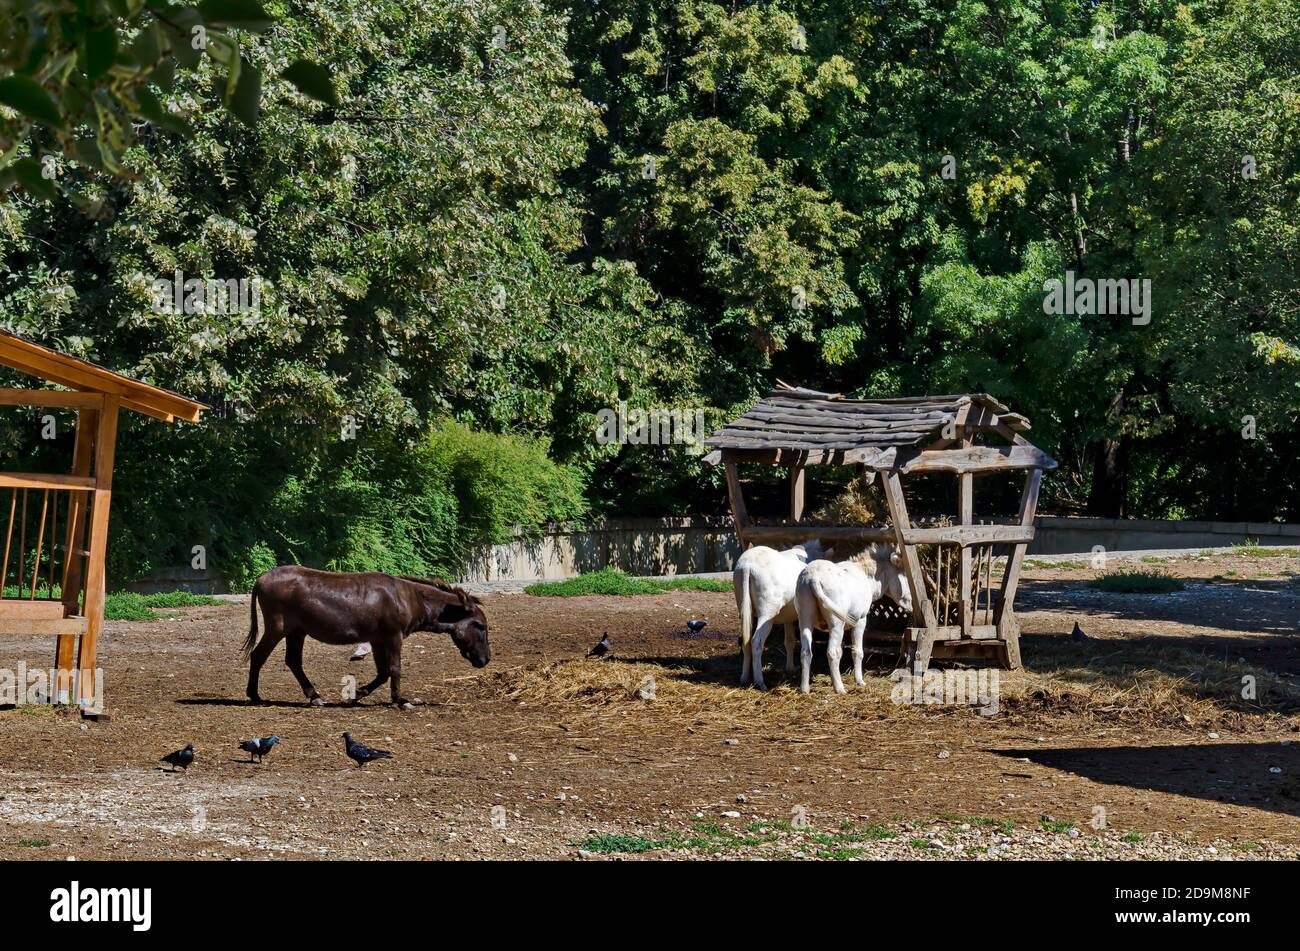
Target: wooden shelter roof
[792, 425]
[77, 374]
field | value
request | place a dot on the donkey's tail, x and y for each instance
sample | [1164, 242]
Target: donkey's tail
[746, 615]
[251, 639]
[827, 603]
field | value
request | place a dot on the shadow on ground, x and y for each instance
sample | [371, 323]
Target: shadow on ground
[1236, 773]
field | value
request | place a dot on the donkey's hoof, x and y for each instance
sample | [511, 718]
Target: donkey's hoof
[318, 701]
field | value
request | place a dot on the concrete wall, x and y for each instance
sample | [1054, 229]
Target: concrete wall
[639, 546]
[666, 546]
[1066, 536]
[684, 545]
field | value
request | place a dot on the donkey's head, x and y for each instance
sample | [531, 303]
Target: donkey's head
[469, 628]
[885, 564]
[456, 612]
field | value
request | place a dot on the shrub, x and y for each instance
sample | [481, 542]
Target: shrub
[1137, 582]
[248, 564]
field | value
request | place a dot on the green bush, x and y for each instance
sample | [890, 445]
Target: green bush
[248, 564]
[416, 508]
[1137, 582]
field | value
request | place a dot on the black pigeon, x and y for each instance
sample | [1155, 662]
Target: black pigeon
[696, 626]
[602, 647]
[181, 758]
[1077, 634]
[361, 753]
[258, 747]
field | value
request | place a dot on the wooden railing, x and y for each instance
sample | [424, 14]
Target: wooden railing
[43, 566]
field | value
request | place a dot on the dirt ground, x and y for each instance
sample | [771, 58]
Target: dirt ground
[486, 770]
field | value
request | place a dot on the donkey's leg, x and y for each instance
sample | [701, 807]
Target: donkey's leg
[791, 645]
[746, 661]
[395, 674]
[834, 651]
[805, 659]
[381, 670]
[763, 629]
[272, 634]
[859, 630]
[293, 660]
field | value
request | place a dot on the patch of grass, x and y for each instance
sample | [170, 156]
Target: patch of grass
[612, 581]
[132, 606]
[1131, 837]
[610, 844]
[715, 585]
[1137, 582]
[33, 843]
[838, 855]
[1251, 548]
[1245, 846]
[1002, 825]
[921, 844]
[1056, 825]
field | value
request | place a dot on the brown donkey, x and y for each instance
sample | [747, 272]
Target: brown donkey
[352, 608]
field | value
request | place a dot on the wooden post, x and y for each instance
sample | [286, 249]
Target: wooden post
[797, 473]
[918, 654]
[737, 499]
[1008, 627]
[65, 644]
[101, 498]
[966, 516]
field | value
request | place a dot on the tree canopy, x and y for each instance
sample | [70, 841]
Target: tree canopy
[515, 214]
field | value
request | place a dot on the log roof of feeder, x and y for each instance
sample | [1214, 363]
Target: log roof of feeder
[796, 426]
[64, 369]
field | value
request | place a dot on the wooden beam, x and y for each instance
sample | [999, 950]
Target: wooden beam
[966, 517]
[974, 459]
[921, 607]
[58, 627]
[105, 449]
[802, 533]
[736, 497]
[796, 492]
[56, 399]
[1008, 628]
[44, 480]
[967, 535]
[33, 608]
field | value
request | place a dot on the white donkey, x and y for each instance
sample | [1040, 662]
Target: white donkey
[830, 596]
[764, 579]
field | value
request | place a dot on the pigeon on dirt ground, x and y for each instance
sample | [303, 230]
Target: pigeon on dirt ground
[361, 753]
[695, 626]
[181, 758]
[258, 747]
[1077, 634]
[361, 651]
[602, 647]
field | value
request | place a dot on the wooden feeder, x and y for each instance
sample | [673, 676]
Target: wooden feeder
[958, 610]
[37, 558]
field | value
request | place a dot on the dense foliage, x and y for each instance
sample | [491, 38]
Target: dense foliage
[518, 214]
